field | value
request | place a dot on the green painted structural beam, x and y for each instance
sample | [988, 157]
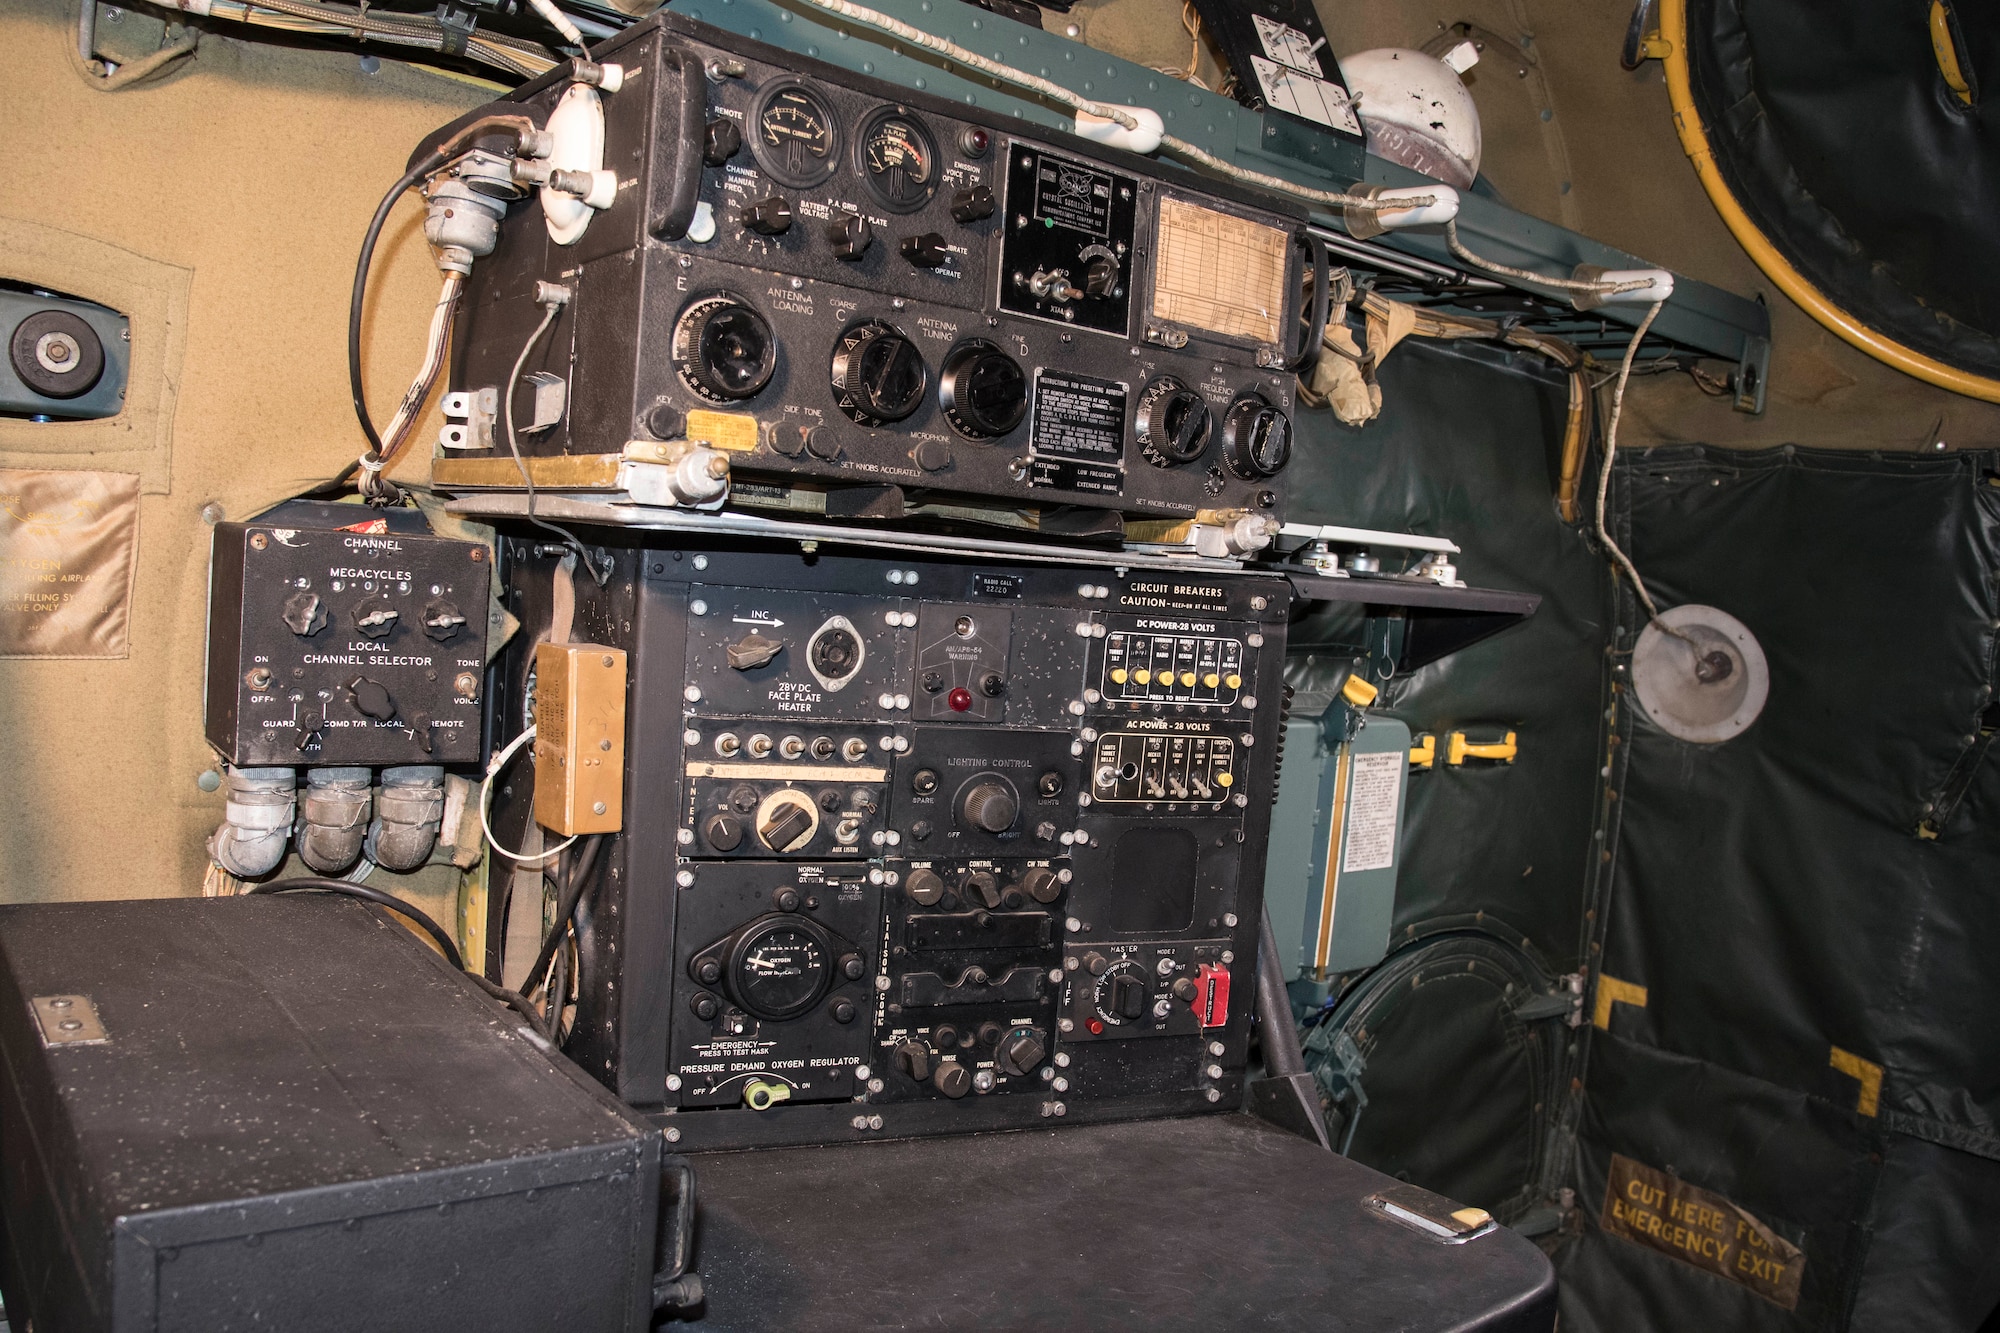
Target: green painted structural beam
[1699, 319]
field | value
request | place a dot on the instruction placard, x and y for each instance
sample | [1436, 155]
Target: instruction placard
[1701, 1228]
[68, 544]
[1373, 788]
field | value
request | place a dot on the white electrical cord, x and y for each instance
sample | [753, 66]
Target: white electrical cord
[1458, 249]
[486, 800]
[412, 405]
[560, 22]
[1604, 470]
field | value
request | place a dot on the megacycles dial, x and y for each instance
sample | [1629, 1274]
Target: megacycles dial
[878, 374]
[724, 350]
[779, 966]
[898, 159]
[794, 133]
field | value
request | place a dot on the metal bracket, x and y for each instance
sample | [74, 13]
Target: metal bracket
[69, 1020]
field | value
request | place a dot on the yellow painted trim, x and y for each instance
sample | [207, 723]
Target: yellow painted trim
[1330, 889]
[567, 472]
[1694, 142]
[1610, 991]
[1945, 48]
[1868, 1072]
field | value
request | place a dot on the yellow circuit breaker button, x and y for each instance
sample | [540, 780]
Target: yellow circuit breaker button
[1233, 681]
[1187, 679]
[1118, 675]
[1211, 680]
[1143, 676]
[1225, 779]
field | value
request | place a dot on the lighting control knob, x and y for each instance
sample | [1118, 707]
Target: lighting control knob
[1256, 438]
[924, 887]
[721, 141]
[1020, 1051]
[850, 236]
[768, 217]
[952, 1079]
[1042, 884]
[878, 374]
[925, 251]
[1100, 277]
[371, 699]
[983, 390]
[990, 804]
[1172, 423]
[723, 349]
[973, 205]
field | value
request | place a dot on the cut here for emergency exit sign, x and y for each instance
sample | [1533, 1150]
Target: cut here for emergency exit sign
[1702, 1228]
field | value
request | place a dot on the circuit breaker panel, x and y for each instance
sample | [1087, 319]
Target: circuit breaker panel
[922, 847]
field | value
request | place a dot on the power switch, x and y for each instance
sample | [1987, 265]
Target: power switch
[1211, 1001]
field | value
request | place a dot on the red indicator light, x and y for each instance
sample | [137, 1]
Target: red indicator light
[960, 699]
[1096, 1026]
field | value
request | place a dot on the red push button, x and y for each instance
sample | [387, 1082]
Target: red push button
[960, 699]
[1211, 1001]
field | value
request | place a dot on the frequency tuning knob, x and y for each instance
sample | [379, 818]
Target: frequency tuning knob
[1256, 438]
[982, 389]
[723, 349]
[1172, 423]
[878, 374]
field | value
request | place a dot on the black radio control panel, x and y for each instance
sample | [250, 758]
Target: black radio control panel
[923, 846]
[845, 284]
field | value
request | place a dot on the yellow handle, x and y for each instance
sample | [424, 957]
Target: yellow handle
[1425, 752]
[1358, 692]
[1458, 749]
[760, 1095]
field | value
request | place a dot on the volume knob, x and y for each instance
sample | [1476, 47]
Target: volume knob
[1172, 423]
[878, 374]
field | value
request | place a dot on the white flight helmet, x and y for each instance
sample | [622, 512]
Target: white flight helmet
[1416, 111]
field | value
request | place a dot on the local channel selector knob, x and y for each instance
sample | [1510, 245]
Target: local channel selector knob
[878, 374]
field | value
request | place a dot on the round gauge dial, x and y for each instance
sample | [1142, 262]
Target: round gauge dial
[779, 967]
[794, 134]
[899, 160]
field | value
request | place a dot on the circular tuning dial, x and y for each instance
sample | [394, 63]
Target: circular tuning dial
[723, 349]
[878, 374]
[982, 390]
[990, 804]
[1172, 423]
[1256, 438]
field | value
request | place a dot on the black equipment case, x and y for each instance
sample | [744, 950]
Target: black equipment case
[288, 1113]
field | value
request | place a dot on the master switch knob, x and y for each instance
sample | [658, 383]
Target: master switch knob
[878, 374]
[723, 349]
[1172, 423]
[982, 390]
[990, 804]
[1256, 438]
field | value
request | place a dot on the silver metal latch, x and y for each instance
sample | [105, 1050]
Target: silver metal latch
[69, 1020]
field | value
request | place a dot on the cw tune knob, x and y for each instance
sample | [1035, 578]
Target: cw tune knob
[723, 349]
[1256, 438]
[878, 374]
[982, 390]
[990, 804]
[1172, 423]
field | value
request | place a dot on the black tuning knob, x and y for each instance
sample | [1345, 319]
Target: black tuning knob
[442, 621]
[990, 804]
[1042, 884]
[1256, 438]
[723, 832]
[914, 1059]
[1185, 990]
[850, 236]
[926, 251]
[371, 699]
[723, 349]
[982, 390]
[1020, 1051]
[980, 886]
[878, 374]
[304, 614]
[375, 620]
[1172, 423]
[973, 205]
[721, 141]
[1128, 997]
[1100, 277]
[768, 217]
[952, 1079]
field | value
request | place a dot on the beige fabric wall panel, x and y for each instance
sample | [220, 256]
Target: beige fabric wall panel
[221, 209]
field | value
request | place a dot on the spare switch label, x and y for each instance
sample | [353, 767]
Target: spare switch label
[1699, 1227]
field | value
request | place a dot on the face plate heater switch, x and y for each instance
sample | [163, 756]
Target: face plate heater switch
[1211, 1001]
[579, 738]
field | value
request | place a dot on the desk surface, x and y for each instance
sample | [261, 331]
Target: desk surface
[1216, 1222]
